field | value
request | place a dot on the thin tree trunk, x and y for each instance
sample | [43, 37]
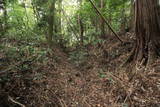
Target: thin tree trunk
[123, 21]
[25, 8]
[60, 16]
[81, 28]
[5, 17]
[51, 18]
[102, 24]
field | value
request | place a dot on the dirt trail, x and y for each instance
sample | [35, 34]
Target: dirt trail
[97, 82]
[97, 85]
[70, 86]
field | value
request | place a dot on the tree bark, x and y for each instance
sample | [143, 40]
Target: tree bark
[106, 22]
[123, 21]
[131, 21]
[51, 18]
[60, 16]
[5, 15]
[102, 21]
[81, 28]
[59, 26]
[147, 31]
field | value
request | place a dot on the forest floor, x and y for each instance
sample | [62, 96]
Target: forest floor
[32, 75]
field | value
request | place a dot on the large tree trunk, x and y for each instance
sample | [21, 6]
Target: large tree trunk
[147, 30]
[131, 21]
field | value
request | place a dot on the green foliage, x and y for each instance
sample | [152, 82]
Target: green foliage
[11, 52]
[125, 105]
[28, 20]
[113, 12]
[78, 57]
[21, 57]
[24, 52]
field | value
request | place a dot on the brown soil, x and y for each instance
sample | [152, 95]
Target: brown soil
[98, 81]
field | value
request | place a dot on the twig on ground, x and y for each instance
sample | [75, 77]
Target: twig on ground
[18, 103]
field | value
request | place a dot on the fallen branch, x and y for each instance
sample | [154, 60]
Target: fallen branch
[103, 18]
[18, 103]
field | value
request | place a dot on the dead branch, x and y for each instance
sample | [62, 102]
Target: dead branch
[103, 18]
[18, 103]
